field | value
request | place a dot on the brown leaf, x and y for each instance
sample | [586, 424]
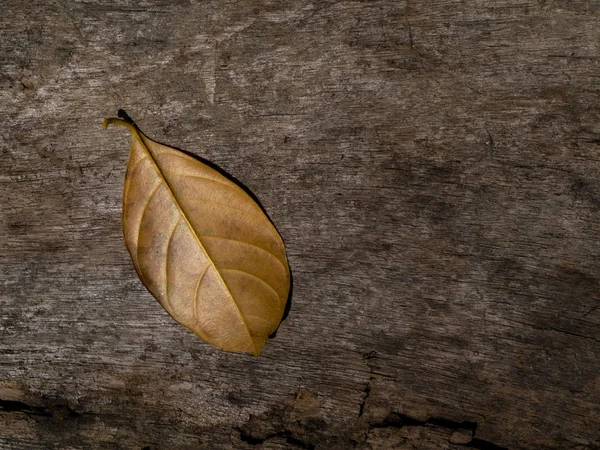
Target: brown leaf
[202, 246]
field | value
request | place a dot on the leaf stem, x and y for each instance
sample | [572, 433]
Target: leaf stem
[125, 121]
[116, 121]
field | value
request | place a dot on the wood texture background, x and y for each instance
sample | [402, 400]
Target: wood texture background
[432, 166]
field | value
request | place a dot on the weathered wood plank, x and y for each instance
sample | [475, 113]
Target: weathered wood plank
[432, 166]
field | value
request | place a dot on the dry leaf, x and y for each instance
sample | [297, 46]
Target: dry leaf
[202, 246]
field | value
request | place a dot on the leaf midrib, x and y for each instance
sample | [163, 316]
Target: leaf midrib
[142, 139]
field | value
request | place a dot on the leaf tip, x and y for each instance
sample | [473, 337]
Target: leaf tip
[257, 345]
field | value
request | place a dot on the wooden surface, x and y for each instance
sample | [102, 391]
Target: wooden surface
[432, 166]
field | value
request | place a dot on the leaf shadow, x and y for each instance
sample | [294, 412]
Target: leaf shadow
[288, 305]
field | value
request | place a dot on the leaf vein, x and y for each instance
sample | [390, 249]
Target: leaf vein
[258, 278]
[137, 242]
[224, 205]
[212, 180]
[167, 301]
[246, 243]
[137, 164]
[195, 306]
[259, 318]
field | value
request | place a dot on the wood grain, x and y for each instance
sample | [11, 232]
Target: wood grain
[432, 167]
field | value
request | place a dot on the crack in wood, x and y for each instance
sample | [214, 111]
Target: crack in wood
[398, 420]
[289, 438]
[57, 412]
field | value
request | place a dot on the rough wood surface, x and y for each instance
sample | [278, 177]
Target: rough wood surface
[432, 166]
